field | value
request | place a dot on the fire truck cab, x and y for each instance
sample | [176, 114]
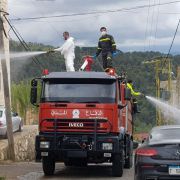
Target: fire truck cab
[84, 117]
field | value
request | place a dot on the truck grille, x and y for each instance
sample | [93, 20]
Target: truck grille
[75, 125]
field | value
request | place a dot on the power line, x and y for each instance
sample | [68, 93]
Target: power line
[147, 22]
[151, 26]
[157, 21]
[173, 39]
[52, 26]
[166, 57]
[24, 44]
[67, 21]
[94, 12]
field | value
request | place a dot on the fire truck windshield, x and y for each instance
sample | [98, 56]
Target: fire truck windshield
[79, 92]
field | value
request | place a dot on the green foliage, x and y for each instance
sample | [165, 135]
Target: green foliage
[20, 98]
[130, 62]
[142, 126]
[20, 94]
[17, 47]
[2, 178]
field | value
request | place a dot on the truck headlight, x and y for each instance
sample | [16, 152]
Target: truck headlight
[107, 146]
[44, 144]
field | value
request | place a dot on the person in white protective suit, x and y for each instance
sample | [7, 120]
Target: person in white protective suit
[67, 50]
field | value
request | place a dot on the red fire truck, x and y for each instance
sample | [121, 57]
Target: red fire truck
[84, 117]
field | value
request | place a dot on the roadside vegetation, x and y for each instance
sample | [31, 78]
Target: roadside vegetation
[2, 178]
[131, 63]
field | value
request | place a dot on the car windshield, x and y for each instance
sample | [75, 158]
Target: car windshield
[164, 134]
[81, 91]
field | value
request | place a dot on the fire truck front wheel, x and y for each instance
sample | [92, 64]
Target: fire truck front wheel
[117, 165]
[48, 166]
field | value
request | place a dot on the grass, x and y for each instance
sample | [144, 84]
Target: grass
[2, 178]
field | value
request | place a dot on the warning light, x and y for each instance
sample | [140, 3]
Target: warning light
[45, 72]
[110, 71]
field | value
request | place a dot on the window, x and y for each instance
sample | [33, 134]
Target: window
[82, 92]
[164, 134]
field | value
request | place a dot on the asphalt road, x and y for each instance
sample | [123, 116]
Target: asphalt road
[33, 171]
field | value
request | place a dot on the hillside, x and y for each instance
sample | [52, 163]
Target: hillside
[131, 63]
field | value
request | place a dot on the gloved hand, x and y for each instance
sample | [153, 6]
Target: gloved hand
[94, 56]
[114, 54]
[50, 51]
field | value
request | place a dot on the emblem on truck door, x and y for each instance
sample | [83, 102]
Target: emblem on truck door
[94, 113]
[55, 112]
[75, 113]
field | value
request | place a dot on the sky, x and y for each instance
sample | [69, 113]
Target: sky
[145, 29]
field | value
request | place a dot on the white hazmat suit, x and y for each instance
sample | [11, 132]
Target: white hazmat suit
[67, 50]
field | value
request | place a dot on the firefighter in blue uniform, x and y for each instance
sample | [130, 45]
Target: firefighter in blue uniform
[107, 47]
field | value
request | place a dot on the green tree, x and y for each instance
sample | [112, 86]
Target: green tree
[21, 98]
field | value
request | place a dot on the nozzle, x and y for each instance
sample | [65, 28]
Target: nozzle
[143, 95]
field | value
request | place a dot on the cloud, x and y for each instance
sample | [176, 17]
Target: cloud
[136, 29]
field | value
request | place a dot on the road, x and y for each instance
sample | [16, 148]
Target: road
[33, 171]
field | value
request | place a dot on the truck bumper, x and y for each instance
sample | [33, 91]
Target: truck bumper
[63, 147]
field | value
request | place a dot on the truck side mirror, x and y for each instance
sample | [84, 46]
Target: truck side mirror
[33, 98]
[121, 106]
[127, 94]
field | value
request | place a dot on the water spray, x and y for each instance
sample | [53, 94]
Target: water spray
[23, 54]
[167, 110]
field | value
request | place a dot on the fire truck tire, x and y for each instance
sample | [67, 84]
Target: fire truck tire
[48, 166]
[117, 165]
[129, 161]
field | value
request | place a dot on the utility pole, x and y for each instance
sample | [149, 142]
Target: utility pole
[5, 69]
[157, 68]
[158, 92]
[162, 67]
[168, 72]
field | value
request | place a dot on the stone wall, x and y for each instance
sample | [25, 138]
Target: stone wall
[24, 145]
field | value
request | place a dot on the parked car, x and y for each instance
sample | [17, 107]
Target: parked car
[16, 122]
[159, 156]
